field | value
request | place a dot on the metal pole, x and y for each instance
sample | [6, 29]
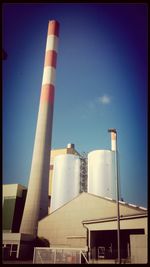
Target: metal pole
[115, 148]
[118, 211]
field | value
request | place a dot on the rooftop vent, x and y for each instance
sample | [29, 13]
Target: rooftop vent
[70, 146]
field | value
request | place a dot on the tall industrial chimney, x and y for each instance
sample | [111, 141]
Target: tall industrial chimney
[36, 206]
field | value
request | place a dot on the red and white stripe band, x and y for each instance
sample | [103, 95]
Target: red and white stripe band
[48, 82]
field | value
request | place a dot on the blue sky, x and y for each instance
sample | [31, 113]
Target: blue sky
[101, 83]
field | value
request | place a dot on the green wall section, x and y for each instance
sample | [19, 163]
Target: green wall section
[8, 213]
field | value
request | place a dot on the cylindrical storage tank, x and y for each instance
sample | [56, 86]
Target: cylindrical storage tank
[101, 173]
[66, 180]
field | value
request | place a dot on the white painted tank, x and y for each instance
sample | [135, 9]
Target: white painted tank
[101, 173]
[66, 180]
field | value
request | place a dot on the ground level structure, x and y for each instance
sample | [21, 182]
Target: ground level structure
[89, 222]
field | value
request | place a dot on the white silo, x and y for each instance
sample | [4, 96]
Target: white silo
[101, 173]
[66, 180]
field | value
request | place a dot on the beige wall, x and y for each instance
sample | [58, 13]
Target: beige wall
[138, 248]
[10, 190]
[13, 190]
[64, 226]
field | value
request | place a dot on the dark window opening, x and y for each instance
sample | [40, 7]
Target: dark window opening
[104, 243]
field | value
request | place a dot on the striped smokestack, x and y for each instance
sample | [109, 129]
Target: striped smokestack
[36, 206]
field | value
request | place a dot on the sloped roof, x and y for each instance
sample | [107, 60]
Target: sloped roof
[94, 207]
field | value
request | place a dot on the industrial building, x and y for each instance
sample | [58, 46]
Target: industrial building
[82, 221]
[13, 201]
[56, 208]
[89, 222]
[14, 196]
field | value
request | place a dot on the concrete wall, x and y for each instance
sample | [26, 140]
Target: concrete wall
[138, 245]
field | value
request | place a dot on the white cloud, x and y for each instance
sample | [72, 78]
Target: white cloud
[91, 106]
[105, 99]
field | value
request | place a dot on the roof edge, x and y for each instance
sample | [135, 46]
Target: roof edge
[122, 217]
